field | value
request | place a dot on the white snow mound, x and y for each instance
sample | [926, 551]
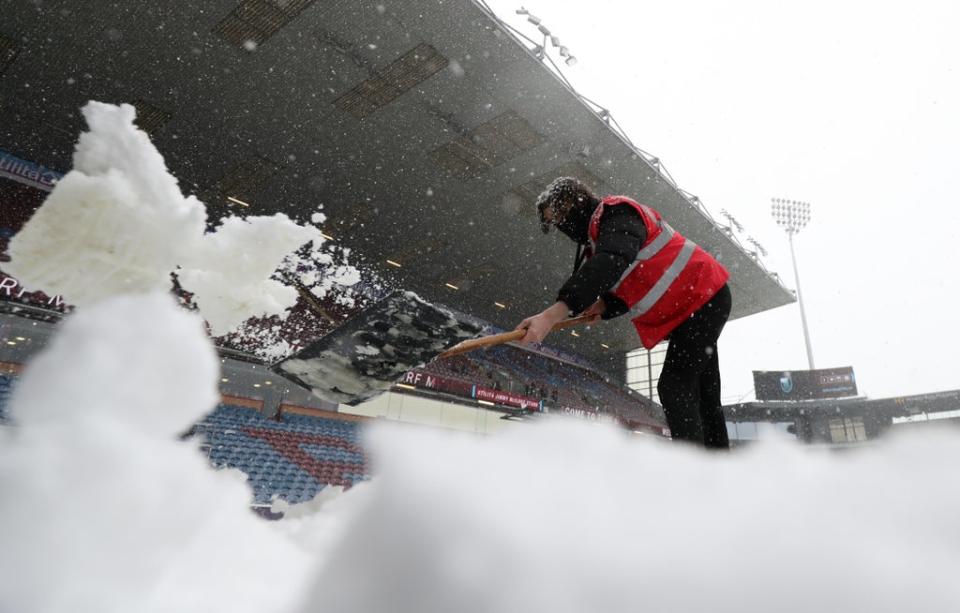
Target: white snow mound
[103, 509]
[566, 518]
[149, 367]
[117, 223]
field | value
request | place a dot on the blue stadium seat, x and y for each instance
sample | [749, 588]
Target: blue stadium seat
[291, 459]
[6, 388]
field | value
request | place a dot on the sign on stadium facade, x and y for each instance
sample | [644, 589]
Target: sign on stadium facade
[505, 398]
[424, 380]
[805, 384]
[28, 173]
[13, 290]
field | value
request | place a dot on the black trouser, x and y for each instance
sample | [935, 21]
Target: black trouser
[689, 384]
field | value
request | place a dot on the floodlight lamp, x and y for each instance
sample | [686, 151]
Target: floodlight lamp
[534, 20]
[522, 11]
[564, 52]
[554, 41]
[571, 61]
[543, 30]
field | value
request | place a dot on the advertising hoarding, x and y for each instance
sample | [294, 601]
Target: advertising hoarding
[805, 384]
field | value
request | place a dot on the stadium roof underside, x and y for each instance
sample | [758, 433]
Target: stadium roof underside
[424, 129]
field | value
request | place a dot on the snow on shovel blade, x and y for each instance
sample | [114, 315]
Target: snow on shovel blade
[372, 351]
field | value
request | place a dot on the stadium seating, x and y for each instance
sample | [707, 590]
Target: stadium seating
[6, 386]
[559, 384]
[292, 459]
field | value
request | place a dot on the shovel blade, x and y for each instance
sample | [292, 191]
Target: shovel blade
[369, 353]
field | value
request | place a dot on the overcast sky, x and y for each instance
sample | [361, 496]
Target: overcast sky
[851, 106]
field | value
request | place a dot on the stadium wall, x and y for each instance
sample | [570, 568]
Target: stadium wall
[417, 410]
[10, 368]
[240, 401]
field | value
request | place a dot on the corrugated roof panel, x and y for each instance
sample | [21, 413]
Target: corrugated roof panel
[244, 178]
[487, 145]
[257, 20]
[398, 77]
[150, 118]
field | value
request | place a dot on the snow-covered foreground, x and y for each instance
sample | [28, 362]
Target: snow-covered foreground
[104, 510]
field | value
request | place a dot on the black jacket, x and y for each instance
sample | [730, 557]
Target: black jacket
[622, 233]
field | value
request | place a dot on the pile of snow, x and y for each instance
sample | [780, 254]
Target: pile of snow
[103, 509]
[567, 517]
[229, 271]
[117, 223]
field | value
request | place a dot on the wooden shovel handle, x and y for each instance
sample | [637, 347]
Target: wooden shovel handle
[506, 337]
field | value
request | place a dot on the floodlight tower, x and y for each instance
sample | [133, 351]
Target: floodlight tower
[793, 216]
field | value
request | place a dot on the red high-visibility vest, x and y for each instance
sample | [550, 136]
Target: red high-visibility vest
[668, 281]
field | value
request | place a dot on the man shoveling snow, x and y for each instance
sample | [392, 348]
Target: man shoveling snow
[635, 263]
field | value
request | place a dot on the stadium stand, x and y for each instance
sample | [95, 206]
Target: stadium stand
[558, 383]
[292, 458]
[6, 387]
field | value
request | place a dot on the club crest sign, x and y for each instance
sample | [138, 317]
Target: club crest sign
[786, 383]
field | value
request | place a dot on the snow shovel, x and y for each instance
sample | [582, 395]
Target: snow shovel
[505, 337]
[365, 356]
